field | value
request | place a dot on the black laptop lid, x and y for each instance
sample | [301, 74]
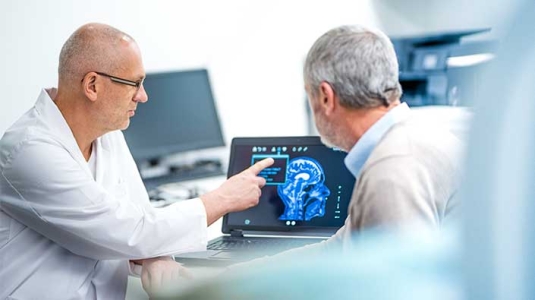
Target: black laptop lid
[307, 192]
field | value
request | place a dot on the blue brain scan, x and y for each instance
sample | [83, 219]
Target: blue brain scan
[304, 193]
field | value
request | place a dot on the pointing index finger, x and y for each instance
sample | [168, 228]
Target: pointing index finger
[261, 165]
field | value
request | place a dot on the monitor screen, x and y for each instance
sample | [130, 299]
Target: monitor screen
[180, 116]
[308, 188]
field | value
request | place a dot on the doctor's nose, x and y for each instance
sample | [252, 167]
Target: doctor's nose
[141, 95]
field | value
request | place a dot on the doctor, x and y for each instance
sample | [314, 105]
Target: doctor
[75, 218]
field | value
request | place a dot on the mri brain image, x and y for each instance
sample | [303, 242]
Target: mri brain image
[304, 193]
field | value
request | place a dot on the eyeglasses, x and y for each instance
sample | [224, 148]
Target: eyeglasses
[136, 84]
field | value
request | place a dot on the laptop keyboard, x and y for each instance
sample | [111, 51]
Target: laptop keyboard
[259, 243]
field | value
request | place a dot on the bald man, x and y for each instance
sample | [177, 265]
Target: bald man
[75, 218]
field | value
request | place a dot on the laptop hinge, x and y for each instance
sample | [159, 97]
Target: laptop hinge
[236, 233]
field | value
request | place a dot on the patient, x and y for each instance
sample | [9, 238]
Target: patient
[407, 169]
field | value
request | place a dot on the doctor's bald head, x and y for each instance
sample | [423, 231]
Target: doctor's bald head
[92, 47]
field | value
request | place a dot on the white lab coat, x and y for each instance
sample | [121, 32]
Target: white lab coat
[66, 235]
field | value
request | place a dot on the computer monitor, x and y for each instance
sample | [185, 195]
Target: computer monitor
[180, 116]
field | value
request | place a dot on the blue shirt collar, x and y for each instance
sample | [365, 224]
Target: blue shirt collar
[359, 154]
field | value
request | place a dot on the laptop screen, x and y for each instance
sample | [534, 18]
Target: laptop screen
[308, 188]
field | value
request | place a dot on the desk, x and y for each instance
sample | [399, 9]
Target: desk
[134, 289]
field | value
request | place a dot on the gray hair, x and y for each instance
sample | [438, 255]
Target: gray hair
[93, 47]
[359, 63]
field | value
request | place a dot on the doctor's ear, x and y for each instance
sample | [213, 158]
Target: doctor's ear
[89, 85]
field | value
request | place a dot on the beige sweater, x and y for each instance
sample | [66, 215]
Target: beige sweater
[409, 181]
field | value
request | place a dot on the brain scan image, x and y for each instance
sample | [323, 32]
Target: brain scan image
[304, 192]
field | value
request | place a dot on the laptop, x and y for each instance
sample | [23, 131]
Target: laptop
[304, 201]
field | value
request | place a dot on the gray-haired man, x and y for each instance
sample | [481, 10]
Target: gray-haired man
[407, 171]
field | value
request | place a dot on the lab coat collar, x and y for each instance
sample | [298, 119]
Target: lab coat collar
[52, 117]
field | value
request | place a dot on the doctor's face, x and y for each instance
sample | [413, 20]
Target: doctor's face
[123, 90]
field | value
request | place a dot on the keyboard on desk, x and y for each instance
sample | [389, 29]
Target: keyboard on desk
[226, 249]
[258, 243]
[182, 175]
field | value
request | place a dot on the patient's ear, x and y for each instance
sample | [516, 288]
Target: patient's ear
[327, 97]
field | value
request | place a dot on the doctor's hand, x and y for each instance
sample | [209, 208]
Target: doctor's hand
[239, 192]
[161, 274]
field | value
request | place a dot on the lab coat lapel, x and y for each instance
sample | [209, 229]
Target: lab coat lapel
[108, 173]
[103, 161]
[51, 116]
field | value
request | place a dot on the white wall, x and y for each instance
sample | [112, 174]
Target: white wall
[253, 49]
